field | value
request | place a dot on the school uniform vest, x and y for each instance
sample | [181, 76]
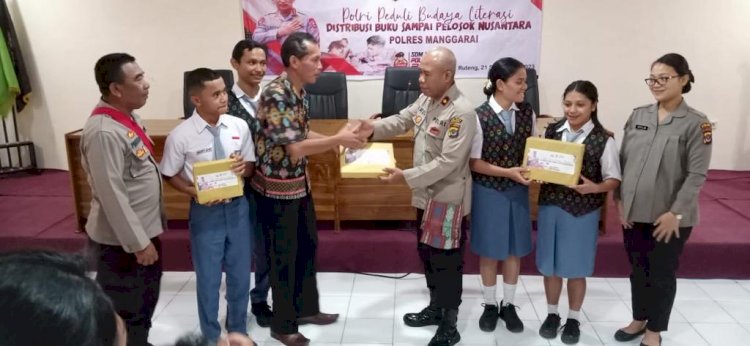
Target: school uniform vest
[236, 108]
[566, 198]
[500, 148]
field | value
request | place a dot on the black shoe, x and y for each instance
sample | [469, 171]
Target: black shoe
[642, 344]
[447, 334]
[429, 316]
[488, 321]
[623, 336]
[571, 333]
[549, 328]
[509, 315]
[263, 314]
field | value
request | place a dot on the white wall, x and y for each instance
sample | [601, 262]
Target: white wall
[609, 42]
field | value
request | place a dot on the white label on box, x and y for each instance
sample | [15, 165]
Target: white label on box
[217, 180]
[367, 157]
[551, 161]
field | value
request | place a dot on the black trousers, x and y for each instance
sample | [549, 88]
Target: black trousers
[293, 235]
[653, 283]
[443, 269]
[133, 288]
[261, 256]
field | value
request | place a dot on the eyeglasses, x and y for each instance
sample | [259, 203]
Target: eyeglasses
[659, 80]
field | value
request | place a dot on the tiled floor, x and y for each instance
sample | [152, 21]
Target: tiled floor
[706, 312]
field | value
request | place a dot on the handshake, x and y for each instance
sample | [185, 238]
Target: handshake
[355, 134]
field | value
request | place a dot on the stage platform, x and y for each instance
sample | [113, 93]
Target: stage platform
[36, 211]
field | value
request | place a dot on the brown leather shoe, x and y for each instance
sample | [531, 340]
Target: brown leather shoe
[319, 319]
[296, 339]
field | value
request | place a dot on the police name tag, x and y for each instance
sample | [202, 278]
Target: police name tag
[214, 180]
[553, 161]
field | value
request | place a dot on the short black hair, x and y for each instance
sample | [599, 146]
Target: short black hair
[376, 40]
[47, 299]
[195, 79]
[295, 46]
[239, 48]
[680, 65]
[108, 70]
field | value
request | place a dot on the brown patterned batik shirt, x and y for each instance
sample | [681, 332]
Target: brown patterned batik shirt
[283, 120]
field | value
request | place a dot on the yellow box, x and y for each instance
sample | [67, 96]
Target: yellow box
[553, 161]
[367, 162]
[214, 180]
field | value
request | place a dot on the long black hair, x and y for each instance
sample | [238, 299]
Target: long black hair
[502, 69]
[587, 89]
[680, 65]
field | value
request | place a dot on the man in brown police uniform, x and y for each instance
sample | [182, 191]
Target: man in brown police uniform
[444, 121]
[127, 213]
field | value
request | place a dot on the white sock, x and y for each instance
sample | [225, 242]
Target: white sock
[490, 294]
[572, 314]
[552, 309]
[509, 294]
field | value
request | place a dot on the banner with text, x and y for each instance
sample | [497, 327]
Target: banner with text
[361, 38]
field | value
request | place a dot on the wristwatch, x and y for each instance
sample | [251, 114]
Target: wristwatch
[678, 217]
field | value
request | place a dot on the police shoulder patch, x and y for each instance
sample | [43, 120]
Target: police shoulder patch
[453, 132]
[706, 128]
[454, 127]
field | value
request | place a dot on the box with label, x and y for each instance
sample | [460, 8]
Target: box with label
[367, 162]
[214, 180]
[553, 161]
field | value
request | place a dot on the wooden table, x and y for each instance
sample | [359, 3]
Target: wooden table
[335, 198]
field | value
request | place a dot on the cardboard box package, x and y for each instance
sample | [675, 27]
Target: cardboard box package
[367, 162]
[553, 161]
[215, 180]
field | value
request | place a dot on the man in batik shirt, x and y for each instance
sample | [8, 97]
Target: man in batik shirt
[285, 206]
